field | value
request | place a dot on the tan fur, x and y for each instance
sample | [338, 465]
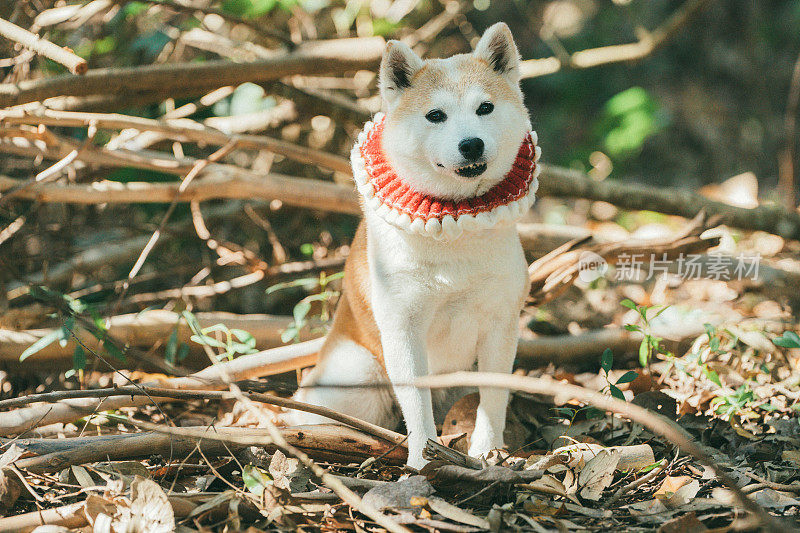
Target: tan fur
[354, 319]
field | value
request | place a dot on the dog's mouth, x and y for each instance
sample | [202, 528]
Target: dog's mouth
[471, 170]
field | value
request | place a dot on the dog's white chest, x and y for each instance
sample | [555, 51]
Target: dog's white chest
[462, 289]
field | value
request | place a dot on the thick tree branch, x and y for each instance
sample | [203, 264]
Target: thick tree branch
[322, 57]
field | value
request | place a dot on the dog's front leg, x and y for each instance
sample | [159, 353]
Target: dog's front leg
[496, 353]
[406, 360]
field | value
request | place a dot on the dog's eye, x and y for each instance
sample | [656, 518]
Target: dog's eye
[485, 108]
[436, 115]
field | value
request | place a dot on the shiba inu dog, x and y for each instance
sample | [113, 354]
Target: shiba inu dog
[436, 276]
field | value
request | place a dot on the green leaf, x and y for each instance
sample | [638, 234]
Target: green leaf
[78, 358]
[616, 393]
[301, 311]
[303, 282]
[208, 341]
[627, 377]
[564, 412]
[289, 334]
[659, 312]
[644, 352]
[790, 339]
[713, 376]
[191, 320]
[628, 303]
[245, 338]
[255, 479]
[632, 327]
[171, 350]
[113, 351]
[44, 342]
[651, 467]
[593, 412]
[183, 351]
[607, 360]
[216, 327]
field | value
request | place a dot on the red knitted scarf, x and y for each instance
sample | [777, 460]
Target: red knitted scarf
[402, 206]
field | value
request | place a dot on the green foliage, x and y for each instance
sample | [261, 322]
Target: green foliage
[789, 339]
[606, 364]
[175, 351]
[255, 479]
[734, 404]
[230, 342]
[246, 98]
[650, 344]
[76, 315]
[255, 8]
[629, 118]
[301, 311]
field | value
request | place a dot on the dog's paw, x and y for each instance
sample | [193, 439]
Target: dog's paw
[480, 446]
[416, 461]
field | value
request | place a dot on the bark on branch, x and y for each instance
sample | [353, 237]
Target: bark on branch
[322, 57]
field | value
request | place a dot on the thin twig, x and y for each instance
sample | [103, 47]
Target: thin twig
[196, 169]
[31, 41]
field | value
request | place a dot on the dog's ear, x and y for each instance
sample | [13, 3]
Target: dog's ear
[498, 49]
[398, 66]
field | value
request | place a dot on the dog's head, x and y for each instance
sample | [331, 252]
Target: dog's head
[454, 126]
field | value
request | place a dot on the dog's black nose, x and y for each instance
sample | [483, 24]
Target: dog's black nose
[471, 148]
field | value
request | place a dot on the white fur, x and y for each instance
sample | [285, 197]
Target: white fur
[441, 305]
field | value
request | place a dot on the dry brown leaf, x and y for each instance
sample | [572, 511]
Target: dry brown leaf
[456, 514]
[288, 473]
[10, 486]
[671, 484]
[598, 474]
[148, 510]
[547, 484]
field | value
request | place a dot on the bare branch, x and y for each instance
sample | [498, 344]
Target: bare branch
[31, 41]
[176, 79]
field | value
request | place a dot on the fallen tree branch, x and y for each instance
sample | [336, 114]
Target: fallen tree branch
[178, 129]
[145, 329]
[31, 41]
[227, 181]
[567, 183]
[108, 253]
[148, 328]
[563, 392]
[67, 516]
[180, 79]
[160, 392]
[261, 364]
[323, 441]
[218, 182]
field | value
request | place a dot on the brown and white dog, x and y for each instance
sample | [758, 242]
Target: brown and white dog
[436, 275]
